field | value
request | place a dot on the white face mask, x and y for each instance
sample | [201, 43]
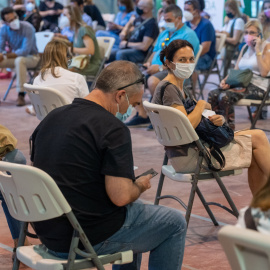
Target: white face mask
[30, 6]
[183, 71]
[188, 16]
[63, 21]
[15, 24]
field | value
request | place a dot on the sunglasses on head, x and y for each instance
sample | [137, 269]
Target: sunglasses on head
[141, 80]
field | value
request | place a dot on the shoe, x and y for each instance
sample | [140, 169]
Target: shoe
[150, 128]
[30, 109]
[138, 121]
[5, 75]
[20, 101]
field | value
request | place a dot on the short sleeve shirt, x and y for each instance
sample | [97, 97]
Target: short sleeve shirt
[53, 19]
[206, 32]
[239, 24]
[77, 145]
[149, 29]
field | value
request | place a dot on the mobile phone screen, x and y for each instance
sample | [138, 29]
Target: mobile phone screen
[151, 171]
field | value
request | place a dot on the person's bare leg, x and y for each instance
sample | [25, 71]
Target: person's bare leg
[259, 171]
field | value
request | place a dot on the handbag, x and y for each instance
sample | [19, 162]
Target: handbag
[80, 61]
[239, 78]
[216, 136]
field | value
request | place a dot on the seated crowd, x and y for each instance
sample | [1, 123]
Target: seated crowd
[159, 55]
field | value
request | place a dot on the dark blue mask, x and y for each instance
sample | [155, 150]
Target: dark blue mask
[139, 11]
[230, 15]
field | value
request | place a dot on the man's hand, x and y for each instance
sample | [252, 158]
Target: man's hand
[152, 69]
[144, 182]
[52, 12]
[217, 120]
[1, 57]
[123, 44]
[223, 85]
[112, 26]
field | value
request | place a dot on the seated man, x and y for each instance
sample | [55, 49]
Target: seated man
[205, 32]
[24, 54]
[90, 159]
[143, 33]
[174, 29]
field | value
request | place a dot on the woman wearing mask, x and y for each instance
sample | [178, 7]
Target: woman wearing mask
[251, 147]
[255, 55]
[233, 28]
[32, 15]
[54, 73]
[264, 18]
[126, 10]
[84, 40]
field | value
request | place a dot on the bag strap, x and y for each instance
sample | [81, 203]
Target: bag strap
[138, 27]
[162, 90]
[232, 28]
[250, 223]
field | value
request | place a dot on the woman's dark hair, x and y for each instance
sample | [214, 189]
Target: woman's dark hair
[128, 4]
[6, 11]
[169, 51]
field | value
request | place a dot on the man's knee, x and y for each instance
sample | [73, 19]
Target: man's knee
[20, 61]
[121, 55]
[152, 84]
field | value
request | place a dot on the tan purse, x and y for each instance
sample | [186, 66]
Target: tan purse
[80, 61]
[7, 141]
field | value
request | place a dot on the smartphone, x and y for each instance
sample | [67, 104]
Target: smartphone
[151, 171]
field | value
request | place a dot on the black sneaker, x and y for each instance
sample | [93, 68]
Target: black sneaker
[150, 128]
[138, 121]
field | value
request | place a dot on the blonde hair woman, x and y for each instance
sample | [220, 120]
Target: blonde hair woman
[255, 55]
[54, 73]
[84, 41]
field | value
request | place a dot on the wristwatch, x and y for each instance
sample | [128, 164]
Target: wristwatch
[4, 54]
[160, 68]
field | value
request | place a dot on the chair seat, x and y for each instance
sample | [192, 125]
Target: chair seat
[169, 171]
[37, 257]
[249, 102]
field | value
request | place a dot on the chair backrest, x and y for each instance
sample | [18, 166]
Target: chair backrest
[245, 249]
[44, 99]
[171, 126]
[220, 41]
[108, 17]
[198, 54]
[94, 25]
[42, 39]
[30, 193]
[106, 44]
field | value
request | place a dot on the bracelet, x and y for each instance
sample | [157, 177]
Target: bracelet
[259, 53]
[126, 45]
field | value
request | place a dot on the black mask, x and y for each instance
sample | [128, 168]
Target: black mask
[139, 11]
[230, 15]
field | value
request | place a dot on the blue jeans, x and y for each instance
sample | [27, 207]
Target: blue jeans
[14, 225]
[158, 229]
[204, 62]
[132, 55]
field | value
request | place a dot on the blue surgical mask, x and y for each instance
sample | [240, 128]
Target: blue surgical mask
[170, 26]
[122, 8]
[126, 115]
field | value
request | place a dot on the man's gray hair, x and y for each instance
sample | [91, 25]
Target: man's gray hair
[176, 11]
[119, 74]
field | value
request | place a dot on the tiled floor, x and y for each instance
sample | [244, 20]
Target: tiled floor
[203, 251]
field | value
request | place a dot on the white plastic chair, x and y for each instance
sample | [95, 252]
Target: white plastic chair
[42, 39]
[105, 45]
[214, 69]
[173, 128]
[108, 17]
[94, 25]
[198, 54]
[31, 196]
[44, 99]
[245, 249]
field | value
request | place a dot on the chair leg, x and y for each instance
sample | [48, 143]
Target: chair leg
[250, 114]
[9, 86]
[161, 181]
[206, 206]
[21, 241]
[226, 194]
[72, 254]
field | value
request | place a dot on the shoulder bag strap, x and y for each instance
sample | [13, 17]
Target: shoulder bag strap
[162, 90]
[137, 28]
[250, 223]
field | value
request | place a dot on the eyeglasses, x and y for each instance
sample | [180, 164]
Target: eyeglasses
[252, 33]
[141, 80]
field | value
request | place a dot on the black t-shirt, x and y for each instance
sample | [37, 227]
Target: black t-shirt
[77, 145]
[149, 29]
[52, 19]
[94, 13]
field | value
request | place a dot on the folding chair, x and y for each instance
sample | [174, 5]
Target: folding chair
[173, 128]
[44, 99]
[105, 45]
[31, 196]
[214, 69]
[258, 103]
[42, 39]
[245, 249]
